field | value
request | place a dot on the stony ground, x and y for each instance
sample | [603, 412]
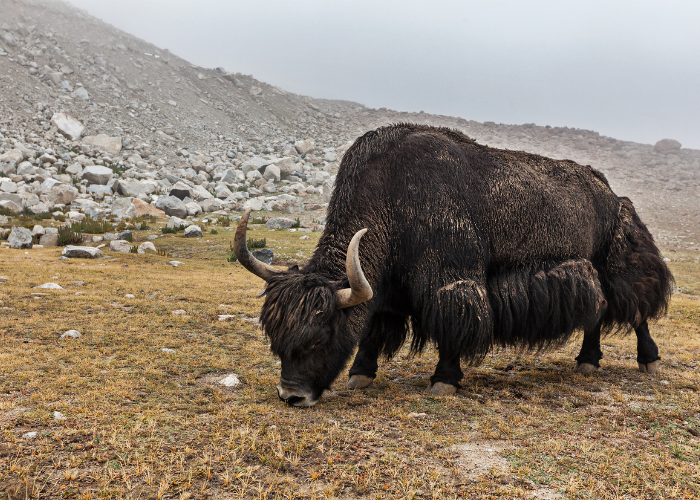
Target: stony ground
[136, 408]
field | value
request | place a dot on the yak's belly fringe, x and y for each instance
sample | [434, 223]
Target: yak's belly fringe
[457, 320]
[540, 305]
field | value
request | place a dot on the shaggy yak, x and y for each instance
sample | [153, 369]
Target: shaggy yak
[467, 247]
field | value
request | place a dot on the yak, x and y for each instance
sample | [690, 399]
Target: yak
[466, 247]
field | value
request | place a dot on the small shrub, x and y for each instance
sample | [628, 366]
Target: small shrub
[91, 226]
[213, 231]
[6, 211]
[253, 243]
[133, 249]
[172, 230]
[232, 258]
[163, 253]
[225, 221]
[258, 220]
[242, 189]
[67, 236]
[297, 223]
[129, 238]
[60, 217]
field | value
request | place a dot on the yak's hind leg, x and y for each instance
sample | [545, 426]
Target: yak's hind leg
[648, 357]
[385, 332]
[588, 360]
[458, 320]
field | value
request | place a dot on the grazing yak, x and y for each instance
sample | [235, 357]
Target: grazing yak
[467, 247]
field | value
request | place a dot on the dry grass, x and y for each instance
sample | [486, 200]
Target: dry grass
[143, 423]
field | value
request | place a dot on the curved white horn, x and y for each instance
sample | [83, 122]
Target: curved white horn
[360, 291]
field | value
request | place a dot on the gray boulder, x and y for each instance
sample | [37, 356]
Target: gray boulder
[667, 146]
[272, 173]
[172, 206]
[97, 174]
[147, 246]
[75, 252]
[124, 208]
[193, 232]
[279, 223]
[265, 255]
[136, 188]
[21, 237]
[122, 246]
[68, 126]
[49, 240]
[305, 146]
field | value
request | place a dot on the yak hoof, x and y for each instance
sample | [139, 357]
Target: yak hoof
[360, 381]
[442, 389]
[586, 368]
[650, 368]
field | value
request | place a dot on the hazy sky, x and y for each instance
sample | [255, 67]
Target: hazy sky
[629, 69]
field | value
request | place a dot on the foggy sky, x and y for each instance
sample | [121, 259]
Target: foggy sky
[627, 69]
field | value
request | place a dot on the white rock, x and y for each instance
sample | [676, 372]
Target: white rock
[255, 204]
[71, 334]
[121, 246]
[20, 237]
[68, 125]
[166, 349]
[129, 296]
[97, 174]
[50, 286]
[147, 246]
[179, 312]
[30, 435]
[304, 146]
[193, 232]
[230, 381]
[57, 415]
[124, 208]
[226, 317]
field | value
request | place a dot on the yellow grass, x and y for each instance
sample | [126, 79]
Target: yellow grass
[143, 423]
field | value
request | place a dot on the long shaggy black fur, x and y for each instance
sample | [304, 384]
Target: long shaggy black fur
[472, 247]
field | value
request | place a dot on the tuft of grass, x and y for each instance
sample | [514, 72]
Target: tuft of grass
[172, 230]
[91, 226]
[297, 223]
[68, 236]
[129, 238]
[133, 249]
[213, 231]
[260, 243]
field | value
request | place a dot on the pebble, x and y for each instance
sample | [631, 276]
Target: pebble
[179, 312]
[50, 286]
[416, 415]
[305, 237]
[175, 263]
[230, 381]
[30, 435]
[71, 334]
[57, 415]
[167, 350]
[227, 317]
[129, 296]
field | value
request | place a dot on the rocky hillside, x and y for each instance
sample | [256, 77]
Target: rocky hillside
[90, 114]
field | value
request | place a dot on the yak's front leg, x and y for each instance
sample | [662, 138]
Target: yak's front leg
[383, 328]
[648, 358]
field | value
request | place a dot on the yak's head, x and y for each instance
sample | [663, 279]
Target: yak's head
[304, 317]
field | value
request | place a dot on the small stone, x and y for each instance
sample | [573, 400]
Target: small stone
[68, 126]
[57, 415]
[50, 286]
[121, 246]
[21, 237]
[416, 415]
[30, 435]
[129, 296]
[175, 263]
[71, 334]
[147, 246]
[279, 223]
[166, 349]
[75, 252]
[226, 317]
[193, 232]
[230, 381]
[179, 312]
[305, 237]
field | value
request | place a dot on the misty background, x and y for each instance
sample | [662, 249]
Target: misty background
[627, 69]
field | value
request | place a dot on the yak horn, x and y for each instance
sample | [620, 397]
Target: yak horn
[259, 269]
[359, 290]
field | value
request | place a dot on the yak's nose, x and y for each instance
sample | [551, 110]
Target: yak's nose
[294, 397]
